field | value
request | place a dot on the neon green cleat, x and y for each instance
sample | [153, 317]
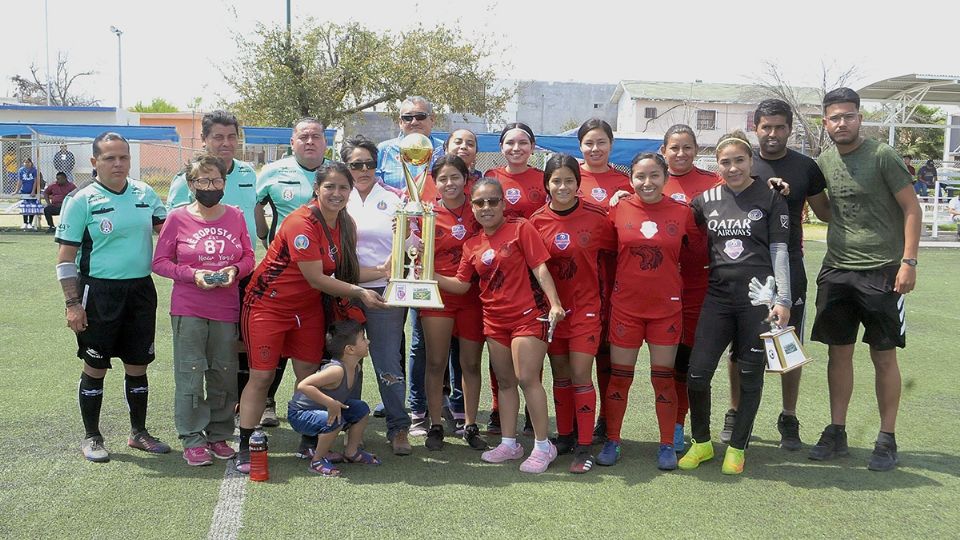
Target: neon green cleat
[698, 453]
[733, 461]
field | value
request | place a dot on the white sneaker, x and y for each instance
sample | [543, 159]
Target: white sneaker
[23, 227]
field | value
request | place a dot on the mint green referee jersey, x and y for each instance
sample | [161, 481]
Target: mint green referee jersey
[285, 186]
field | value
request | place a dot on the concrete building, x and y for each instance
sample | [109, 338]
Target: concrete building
[551, 108]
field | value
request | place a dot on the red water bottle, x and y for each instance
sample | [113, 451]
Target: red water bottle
[259, 467]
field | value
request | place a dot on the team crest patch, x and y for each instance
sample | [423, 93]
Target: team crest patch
[733, 248]
[512, 195]
[287, 194]
[301, 242]
[682, 197]
[785, 221]
[537, 196]
[459, 231]
[599, 194]
[487, 257]
[648, 229]
[382, 205]
[561, 240]
[106, 226]
[755, 215]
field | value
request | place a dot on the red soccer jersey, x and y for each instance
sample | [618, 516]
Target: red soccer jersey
[523, 192]
[575, 242]
[649, 238]
[277, 281]
[508, 290]
[695, 257]
[598, 188]
[453, 229]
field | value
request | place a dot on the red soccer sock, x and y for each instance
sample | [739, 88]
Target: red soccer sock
[621, 377]
[603, 379]
[585, 402]
[665, 390]
[495, 390]
[563, 402]
[683, 401]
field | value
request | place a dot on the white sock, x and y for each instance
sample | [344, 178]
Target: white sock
[511, 442]
[543, 446]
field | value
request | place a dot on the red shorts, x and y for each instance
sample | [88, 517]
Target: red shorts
[269, 334]
[692, 303]
[529, 326]
[630, 333]
[587, 342]
[467, 319]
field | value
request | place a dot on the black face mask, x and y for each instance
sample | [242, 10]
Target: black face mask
[209, 197]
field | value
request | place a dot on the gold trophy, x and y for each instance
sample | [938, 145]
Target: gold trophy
[781, 345]
[412, 284]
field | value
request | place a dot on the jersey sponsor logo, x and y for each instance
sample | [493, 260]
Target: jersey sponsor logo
[287, 194]
[459, 231]
[682, 197]
[301, 242]
[95, 198]
[650, 256]
[733, 248]
[649, 229]
[730, 227]
[599, 194]
[755, 215]
[785, 221]
[714, 214]
[106, 226]
[487, 257]
[512, 195]
[561, 240]
[382, 205]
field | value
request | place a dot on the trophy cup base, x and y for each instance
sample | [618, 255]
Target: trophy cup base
[783, 350]
[413, 293]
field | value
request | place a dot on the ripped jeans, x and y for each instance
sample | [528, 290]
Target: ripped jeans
[385, 332]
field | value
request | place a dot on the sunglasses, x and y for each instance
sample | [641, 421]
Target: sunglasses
[489, 201]
[361, 165]
[416, 116]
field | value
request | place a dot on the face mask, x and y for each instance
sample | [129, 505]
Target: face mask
[209, 197]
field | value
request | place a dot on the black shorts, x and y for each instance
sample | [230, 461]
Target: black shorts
[121, 321]
[723, 324]
[846, 298]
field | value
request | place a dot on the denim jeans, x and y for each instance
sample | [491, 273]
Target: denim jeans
[313, 422]
[418, 367]
[385, 332]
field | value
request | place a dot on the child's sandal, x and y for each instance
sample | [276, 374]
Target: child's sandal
[335, 457]
[362, 456]
[324, 468]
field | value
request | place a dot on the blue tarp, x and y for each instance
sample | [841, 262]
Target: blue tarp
[277, 135]
[622, 153]
[90, 131]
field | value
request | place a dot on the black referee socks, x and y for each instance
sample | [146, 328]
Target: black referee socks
[137, 390]
[90, 398]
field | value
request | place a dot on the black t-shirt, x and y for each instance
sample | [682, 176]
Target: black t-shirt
[805, 179]
[740, 228]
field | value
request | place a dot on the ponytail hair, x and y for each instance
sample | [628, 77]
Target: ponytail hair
[348, 266]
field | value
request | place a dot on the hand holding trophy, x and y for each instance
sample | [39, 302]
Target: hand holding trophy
[783, 349]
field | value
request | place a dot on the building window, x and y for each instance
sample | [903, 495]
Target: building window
[650, 112]
[751, 126]
[706, 120]
[597, 105]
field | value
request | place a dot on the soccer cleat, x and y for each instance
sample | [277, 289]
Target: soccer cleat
[493, 426]
[697, 454]
[884, 457]
[93, 449]
[789, 428]
[583, 460]
[243, 462]
[832, 443]
[732, 461]
[148, 443]
[400, 443]
[197, 456]
[379, 411]
[221, 450]
[678, 442]
[600, 431]
[539, 460]
[269, 417]
[419, 425]
[565, 443]
[666, 457]
[609, 454]
[729, 420]
[471, 434]
[434, 437]
[502, 453]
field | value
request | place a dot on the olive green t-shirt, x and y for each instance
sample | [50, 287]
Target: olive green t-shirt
[866, 226]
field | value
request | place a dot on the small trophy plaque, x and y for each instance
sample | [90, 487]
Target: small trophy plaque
[412, 284]
[782, 347]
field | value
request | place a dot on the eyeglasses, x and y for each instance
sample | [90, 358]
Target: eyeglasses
[849, 117]
[361, 165]
[489, 201]
[207, 182]
[420, 117]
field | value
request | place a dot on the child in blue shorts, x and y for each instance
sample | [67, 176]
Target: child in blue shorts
[322, 407]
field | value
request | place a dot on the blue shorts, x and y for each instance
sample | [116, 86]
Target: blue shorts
[314, 421]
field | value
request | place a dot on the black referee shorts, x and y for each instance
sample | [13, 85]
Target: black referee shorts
[121, 321]
[847, 298]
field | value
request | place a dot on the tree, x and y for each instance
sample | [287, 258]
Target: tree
[33, 89]
[332, 71]
[158, 105]
[921, 143]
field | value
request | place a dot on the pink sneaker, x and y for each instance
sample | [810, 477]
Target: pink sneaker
[197, 456]
[539, 460]
[502, 453]
[221, 450]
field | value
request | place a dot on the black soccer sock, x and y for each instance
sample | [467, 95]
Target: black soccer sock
[137, 390]
[699, 413]
[277, 379]
[245, 434]
[243, 371]
[91, 398]
[751, 390]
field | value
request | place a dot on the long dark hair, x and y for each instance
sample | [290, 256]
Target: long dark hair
[348, 266]
[557, 161]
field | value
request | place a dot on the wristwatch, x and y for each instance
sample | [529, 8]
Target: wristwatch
[909, 262]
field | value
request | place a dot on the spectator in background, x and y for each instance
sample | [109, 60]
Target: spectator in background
[926, 178]
[10, 171]
[53, 195]
[27, 185]
[416, 116]
[63, 161]
[906, 161]
[954, 210]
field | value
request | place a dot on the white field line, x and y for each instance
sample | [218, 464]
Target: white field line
[228, 514]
